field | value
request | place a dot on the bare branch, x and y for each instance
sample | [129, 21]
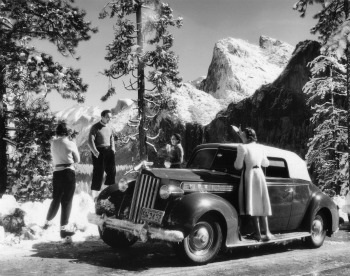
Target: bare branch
[151, 145]
[152, 102]
[150, 90]
[154, 137]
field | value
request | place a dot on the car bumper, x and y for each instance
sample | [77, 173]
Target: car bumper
[142, 231]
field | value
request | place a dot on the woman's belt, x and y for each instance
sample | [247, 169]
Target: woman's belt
[63, 165]
[256, 167]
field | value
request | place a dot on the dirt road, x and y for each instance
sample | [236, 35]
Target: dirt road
[93, 257]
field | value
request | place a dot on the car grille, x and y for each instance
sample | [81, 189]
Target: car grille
[145, 193]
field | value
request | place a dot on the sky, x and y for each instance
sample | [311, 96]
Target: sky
[205, 22]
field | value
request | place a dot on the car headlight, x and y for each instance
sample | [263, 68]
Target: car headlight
[123, 185]
[169, 190]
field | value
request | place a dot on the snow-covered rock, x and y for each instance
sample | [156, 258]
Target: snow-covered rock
[35, 216]
[2, 234]
[278, 52]
[195, 106]
[239, 68]
[121, 104]
[8, 205]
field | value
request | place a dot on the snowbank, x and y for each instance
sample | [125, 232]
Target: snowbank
[343, 202]
[35, 215]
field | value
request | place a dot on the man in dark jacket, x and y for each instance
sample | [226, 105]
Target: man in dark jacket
[101, 144]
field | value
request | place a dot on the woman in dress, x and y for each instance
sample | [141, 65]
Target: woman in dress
[253, 193]
[175, 152]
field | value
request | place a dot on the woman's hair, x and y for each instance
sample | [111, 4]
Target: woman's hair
[62, 129]
[177, 137]
[251, 135]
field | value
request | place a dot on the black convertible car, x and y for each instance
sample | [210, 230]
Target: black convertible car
[196, 208]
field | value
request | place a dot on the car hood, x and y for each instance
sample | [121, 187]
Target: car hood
[195, 175]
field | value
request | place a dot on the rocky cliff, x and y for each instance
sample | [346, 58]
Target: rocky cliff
[239, 68]
[277, 111]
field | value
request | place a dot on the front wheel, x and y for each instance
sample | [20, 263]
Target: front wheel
[203, 243]
[318, 231]
[115, 239]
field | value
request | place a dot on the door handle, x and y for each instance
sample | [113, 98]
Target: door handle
[287, 192]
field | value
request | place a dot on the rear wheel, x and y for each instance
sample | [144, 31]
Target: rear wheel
[318, 231]
[115, 239]
[203, 243]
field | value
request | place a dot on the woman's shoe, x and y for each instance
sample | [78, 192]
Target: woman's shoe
[47, 224]
[254, 236]
[268, 237]
[67, 231]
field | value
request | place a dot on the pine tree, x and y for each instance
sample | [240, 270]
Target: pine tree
[333, 27]
[131, 54]
[25, 72]
[326, 95]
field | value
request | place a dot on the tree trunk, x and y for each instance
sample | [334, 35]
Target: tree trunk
[141, 87]
[3, 155]
[347, 53]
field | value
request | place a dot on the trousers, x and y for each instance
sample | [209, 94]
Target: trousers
[63, 191]
[105, 163]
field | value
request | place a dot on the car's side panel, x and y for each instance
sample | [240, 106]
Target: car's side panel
[301, 199]
[281, 198]
[191, 207]
[320, 201]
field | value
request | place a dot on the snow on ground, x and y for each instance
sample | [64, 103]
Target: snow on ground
[35, 215]
[343, 202]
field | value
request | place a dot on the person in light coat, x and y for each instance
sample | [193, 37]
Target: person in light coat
[253, 194]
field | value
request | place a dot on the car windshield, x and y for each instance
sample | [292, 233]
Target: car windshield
[217, 159]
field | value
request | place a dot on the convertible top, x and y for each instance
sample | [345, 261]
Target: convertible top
[296, 165]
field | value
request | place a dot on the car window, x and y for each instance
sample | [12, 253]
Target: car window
[224, 160]
[277, 168]
[202, 159]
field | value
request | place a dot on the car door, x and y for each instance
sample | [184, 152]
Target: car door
[301, 198]
[281, 190]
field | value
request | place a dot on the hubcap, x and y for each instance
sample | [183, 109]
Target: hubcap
[317, 229]
[201, 238]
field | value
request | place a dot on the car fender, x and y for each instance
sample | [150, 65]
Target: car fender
[191, 207]
[318, 202]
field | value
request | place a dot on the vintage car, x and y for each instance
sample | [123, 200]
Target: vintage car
[196, 208]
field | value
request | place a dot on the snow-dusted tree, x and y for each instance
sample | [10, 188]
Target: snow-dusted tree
[333, 27]
[326, 95]
[29, 166]
[25, 72]
[141, 46]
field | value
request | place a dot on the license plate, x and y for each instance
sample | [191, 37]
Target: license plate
[152, 215]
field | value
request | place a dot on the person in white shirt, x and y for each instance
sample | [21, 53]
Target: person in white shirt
[64, 154]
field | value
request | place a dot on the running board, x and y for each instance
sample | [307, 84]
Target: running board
[278, 238]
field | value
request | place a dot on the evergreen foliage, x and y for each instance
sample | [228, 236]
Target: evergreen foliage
[132, 55]
[327, 148]
[328, 91]
[26, 76]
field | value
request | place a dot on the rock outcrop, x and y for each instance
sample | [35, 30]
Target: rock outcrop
[239, 68]
[277, 111]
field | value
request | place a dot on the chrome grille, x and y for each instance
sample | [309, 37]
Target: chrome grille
[145, 193]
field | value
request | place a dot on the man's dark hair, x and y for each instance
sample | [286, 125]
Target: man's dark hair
[62, 129]
[105, 112]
